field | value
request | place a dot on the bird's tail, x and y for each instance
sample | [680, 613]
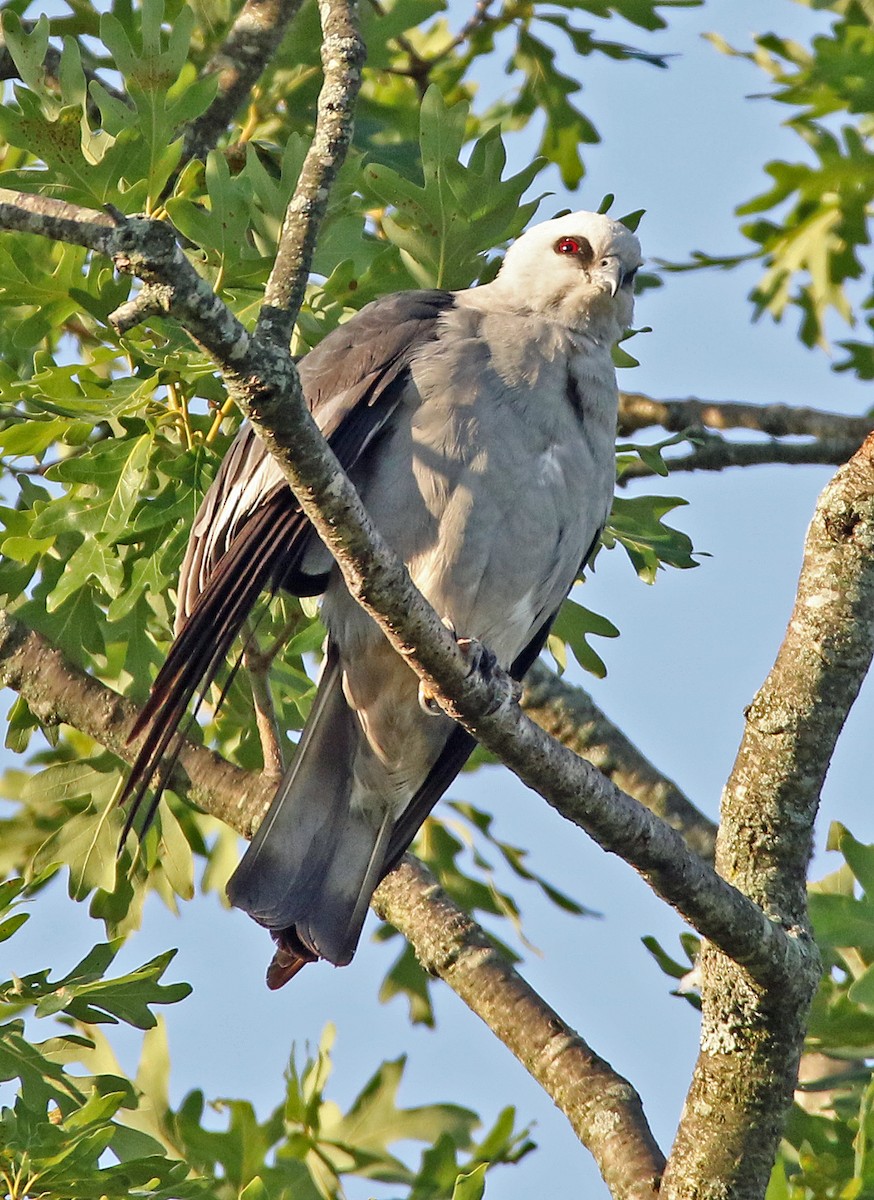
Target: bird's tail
[252, 564]
[314, 863]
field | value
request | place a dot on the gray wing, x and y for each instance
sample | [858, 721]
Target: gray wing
[250, 534]
[351, 383]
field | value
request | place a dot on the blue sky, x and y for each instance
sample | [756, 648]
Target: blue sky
[686, 145]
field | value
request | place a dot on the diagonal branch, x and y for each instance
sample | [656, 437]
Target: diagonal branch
[602, 1107]
[752, 1038]
[252, 40]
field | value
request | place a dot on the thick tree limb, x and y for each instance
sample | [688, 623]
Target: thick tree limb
[602, 1107]
[752, 1037]
[637, 412]
[252, 41]
[343, 54]
[25, 212]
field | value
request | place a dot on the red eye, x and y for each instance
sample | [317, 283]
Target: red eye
[567, 245]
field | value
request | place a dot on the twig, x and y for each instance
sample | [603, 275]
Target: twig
[752, 1038]
[717, 454]
[419, 69]
[479, 17]
[239, 63]
[343, 54]
[603, 1108]
[257, 666]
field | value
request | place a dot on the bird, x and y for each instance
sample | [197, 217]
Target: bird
[479, 428]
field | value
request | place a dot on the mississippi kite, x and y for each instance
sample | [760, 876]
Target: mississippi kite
[478, 427]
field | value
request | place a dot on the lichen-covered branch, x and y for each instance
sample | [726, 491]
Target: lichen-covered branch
[252, 41]
[24, 212]
[637, 411]
[569, 714]
[752, 1036]
[602, 1107]
[343, 54]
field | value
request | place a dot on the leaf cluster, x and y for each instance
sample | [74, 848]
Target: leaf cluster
[811, 227]
[75, 1109]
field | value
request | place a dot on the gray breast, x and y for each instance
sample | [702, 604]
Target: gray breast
[497, 472]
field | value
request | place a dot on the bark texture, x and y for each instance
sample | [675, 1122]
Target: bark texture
[249, 46]
[752, 1035]
[603, 1108]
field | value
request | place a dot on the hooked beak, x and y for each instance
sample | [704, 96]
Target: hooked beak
[610, 271]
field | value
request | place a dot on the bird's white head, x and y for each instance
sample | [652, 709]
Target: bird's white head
[578, 270]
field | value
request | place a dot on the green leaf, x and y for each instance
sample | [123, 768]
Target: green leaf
[444, 227]
[471, 1186]
[573, 626]
[636, 524]
[843, 921]
[859, 857]
[85, 995]
[374, 1122]
[407, 978]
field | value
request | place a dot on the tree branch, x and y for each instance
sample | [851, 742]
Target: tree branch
[58, 692]
[24, 212]
[637, 412]
[252, 41]
[602, 1107]
[257, 666]
[343, 54]
[716, 454]
[752, 1037]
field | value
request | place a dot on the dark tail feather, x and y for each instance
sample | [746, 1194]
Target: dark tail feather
[313, 864]
[253, 563]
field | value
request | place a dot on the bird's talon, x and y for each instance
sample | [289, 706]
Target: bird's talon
[427, 700]
[479, 657]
